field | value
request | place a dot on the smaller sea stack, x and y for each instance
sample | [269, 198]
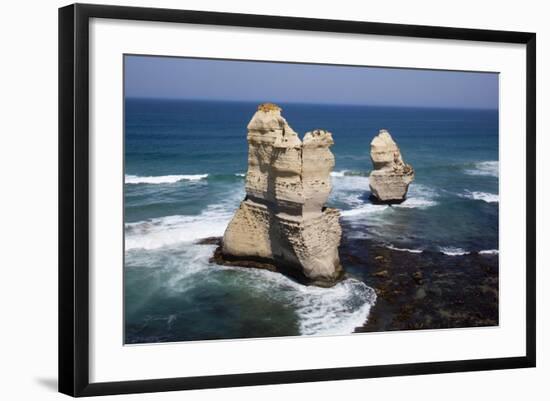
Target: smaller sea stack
[391, 176]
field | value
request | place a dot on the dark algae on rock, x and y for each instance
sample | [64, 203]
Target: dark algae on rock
[427, 290]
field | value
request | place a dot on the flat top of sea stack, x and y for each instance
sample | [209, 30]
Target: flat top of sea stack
[318, 137]
[268, 107]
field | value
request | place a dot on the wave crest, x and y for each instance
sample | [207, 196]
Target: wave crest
[169, 230]
[483, 196]
[337, 310]
[419, 196]
[394, 248]
[453, 251]
[489, 252]
[321, 311]
[486, 168]
[420, 203]
[348, 173]
[367, 208]
[162, 179]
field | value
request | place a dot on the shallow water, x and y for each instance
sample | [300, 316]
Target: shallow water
[185, 165]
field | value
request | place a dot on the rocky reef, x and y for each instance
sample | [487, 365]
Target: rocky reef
[283, 224]
[391, 176]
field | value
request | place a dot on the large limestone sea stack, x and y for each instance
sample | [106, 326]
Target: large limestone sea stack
[283, 221]
[391, 176]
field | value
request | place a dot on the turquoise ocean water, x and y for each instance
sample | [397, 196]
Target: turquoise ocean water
[184, 177]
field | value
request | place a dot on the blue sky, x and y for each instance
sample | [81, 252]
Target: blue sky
[186, 78]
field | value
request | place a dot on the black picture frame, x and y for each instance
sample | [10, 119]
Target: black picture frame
[74, 204]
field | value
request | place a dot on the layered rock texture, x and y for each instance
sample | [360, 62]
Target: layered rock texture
[391, 176]
[283, 220]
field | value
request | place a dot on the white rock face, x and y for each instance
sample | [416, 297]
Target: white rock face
[283, 219]
[391, 177]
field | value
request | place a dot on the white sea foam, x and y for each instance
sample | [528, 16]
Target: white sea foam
[404, 249]
[352, 190]
[170, 230]
[489, 252]
[367, 208]
[348, 173]
[487, 168]
[421, 203]
[353, 199]
[419, 196]
[348, 183]
[453, 251]
[240, 174]
[337, 310]
[483, 196]
[162, 179]
[321, 311]
[338, 173]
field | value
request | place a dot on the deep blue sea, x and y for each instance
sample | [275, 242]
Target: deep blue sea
[185, 163]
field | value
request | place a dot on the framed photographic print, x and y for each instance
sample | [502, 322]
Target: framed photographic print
[250, 199]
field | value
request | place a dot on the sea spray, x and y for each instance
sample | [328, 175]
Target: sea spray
[170, 230]
[164, 179]
[485, 168]
[315, 311]
[453, 251]
[483, 196]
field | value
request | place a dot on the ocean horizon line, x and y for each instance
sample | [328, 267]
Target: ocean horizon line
[256, 102]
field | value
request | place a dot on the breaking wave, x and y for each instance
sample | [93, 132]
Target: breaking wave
[338, 310]
[320, 311]
[348, 173]
[453, 251]
[345, 181]
[420, 203]
[163, 179]
[419, 196]
[367, 208]
[489, 252]
[352, 191]
[394, 248]
[338, 173]
[483, 196]
[487, 168]
[169, 230]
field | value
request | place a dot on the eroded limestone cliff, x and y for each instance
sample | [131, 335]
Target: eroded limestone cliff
[283, 220]
[391, 176]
